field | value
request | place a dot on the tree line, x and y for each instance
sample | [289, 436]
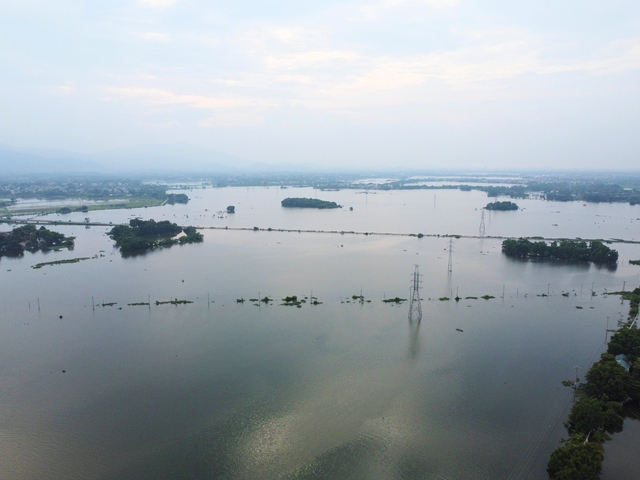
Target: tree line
[565, 250]
[598, 411]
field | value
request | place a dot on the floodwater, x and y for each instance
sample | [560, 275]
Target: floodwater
[343, 389]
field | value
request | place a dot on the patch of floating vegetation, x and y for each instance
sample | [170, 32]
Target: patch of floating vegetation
[634, 262]
[173, 302]
[395, 300]
[60, 262]
[443, 299]
[470, 298]
[565, 294]
[292, 301]
[109, 304]
[579, 307]
[239, 300]
[487, 297]
[138, 304]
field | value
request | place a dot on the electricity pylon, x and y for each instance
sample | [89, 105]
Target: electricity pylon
[450, 268]
[482, 224]
[415, 308]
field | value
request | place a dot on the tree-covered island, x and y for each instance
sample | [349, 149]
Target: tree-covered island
[143, 235]
[30, 238]
[173, 198]
[564, 250]
[502, 206]
[300, 202]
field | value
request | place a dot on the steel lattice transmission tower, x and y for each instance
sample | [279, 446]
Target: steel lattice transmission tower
[415, 308]
[450, 268]
[482, 224]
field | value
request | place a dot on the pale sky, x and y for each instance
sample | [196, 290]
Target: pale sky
[411, 83]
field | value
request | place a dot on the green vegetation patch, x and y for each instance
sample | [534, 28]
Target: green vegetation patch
[634, 262]
[173, 198]
[443, 299]
[598, 411]
[60, 262]
[292, 301]
[564, 250]
[173, 302]
[487, 297]
[634, 301]
[395, 300]
[29, 237]
[300, 202]
[501, 206]
[143, 235]
[138, 304]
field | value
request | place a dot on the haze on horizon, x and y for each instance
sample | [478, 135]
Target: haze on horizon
[361, 83]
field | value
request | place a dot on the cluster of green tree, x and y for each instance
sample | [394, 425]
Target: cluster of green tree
[66, 210]
[598, 411]
[173, 198]
[587, 191]
[300, 202]
[566, 250]
[151, 228]
[142, 235]
[32, 239]
[634, 301]
[502, 206]
[191, 235]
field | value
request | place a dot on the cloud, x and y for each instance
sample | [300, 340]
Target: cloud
[379, 10]
[228, 111]
[160, 37]
[63, 89]
[313, 59]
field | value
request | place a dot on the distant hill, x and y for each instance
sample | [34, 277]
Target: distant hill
[169, 158]
[17, 162]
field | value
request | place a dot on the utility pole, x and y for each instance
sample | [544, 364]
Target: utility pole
[482, 230]
[415, 308]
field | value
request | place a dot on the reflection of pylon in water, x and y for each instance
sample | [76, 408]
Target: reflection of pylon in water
[415, 308]
[482, 224]
[450, 268]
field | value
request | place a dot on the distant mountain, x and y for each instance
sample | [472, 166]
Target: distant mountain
[20, 162]
[174, 157]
